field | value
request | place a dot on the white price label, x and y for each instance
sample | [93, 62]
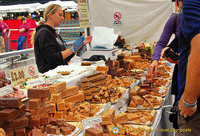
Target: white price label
[132, 85]
[123, 109]
[107, 106]
[92, 121]
[6, 90]
[35, 82]
[135, 50]
[52, 79]
[143, 79]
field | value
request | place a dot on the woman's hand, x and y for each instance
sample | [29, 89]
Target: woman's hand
[77, 44]
[153, 67]
[167, 58]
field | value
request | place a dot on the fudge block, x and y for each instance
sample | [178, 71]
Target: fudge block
[38, 93]
[66, 131]
[35, 122]
[8, 114]
[55, 97]
[57, 131]
[53, 129]
[59, 115]
[120, 118]
[69, 91]
[138, 100]
[20, 132]
[94, 76]
[108, 117]
[44, 120]
[36, 132]
[17, 123]
[48, 127]
[9, 132]
[102, 68]
[7, 103]
[93, 132]
[34, 104]
[75, 98]
[61, 106]
[57, 87]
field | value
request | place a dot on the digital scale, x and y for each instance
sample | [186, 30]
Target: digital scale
[108, 53]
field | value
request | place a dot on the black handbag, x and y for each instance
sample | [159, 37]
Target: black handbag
[174, 114]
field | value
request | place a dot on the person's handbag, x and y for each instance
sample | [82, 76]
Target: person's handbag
[174, 114]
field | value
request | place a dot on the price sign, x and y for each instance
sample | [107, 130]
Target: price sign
[123, 109]
[35, 82]
[107, 106]
[17, 76]
[6, 90]
[132, 85]
[92, 121]
[52, 79]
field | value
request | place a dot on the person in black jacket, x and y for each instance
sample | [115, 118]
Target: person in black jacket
[50, 50]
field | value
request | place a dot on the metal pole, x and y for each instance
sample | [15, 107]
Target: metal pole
[5, 41]
[9, 40]
[26, 44]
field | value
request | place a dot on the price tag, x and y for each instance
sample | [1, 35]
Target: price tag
[6, 90]
[107, 106]
[35, 82]
[123, 109]
[132, 85]
[135, 50]
[17, 76]
[143, 79]
[92, 121]
[52, 79]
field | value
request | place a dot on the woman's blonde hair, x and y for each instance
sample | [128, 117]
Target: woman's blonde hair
[52, 8]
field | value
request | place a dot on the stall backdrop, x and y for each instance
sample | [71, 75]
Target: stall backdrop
[137, 20]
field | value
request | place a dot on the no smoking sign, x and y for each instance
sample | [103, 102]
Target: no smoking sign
[31, 70]
[117, 18]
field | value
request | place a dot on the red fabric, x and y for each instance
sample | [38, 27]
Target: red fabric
[15, 24]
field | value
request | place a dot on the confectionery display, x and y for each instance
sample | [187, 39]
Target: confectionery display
[120, 93]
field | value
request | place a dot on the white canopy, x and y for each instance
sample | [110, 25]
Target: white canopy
[20, 8]
[71, 5]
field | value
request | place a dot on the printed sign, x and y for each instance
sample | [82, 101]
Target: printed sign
[17, 76]
[52, 79]
[31, 71]
[91, 121]
[107, 106]
[6, 90]
[117, 18]
[83, 14]
[35, 82]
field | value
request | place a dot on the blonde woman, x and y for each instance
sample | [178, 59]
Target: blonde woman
[49, 47]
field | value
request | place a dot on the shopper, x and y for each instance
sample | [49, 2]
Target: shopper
[3, 28]
[49, 48]
[24, 31]
[189, 68]
[171, 27]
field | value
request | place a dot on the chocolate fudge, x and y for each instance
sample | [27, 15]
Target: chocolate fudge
[38, 93]
[7, 103]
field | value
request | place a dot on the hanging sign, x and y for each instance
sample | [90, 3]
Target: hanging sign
[117, 18]
[83, 14]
